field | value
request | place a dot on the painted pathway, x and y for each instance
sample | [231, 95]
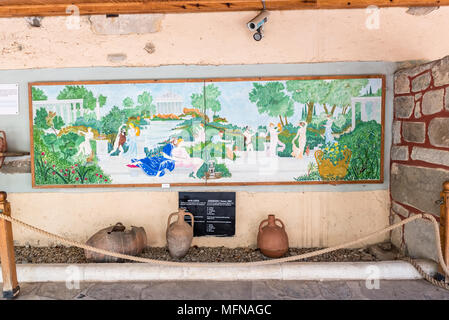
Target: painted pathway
[249, 167]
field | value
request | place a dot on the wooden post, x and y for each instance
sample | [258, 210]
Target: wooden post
[444, 225]
[10, 285]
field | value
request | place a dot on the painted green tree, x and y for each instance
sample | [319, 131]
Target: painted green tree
[303, 113]
[128, 102]
[38, 94]
[370, 93]
[57, 123]
[102, 100]
[272, 100]
[40, 120]
[211, 101]
[79, 92]
[146, 106]
[68, 144]
[113, 120]
[342, 91]
[309, 92]
[45, 120]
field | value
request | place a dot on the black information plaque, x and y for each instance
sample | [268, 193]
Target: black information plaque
[214, 212]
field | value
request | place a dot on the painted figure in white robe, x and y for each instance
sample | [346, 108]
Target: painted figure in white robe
[248, 136]
[182, 158]
[85, 149]
[274, 141]
[301, 140]
[329, 138]
[200, 134]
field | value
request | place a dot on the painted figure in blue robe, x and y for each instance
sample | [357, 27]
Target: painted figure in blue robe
[156, 165]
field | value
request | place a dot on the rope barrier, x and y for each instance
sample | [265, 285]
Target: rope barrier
[425, 216]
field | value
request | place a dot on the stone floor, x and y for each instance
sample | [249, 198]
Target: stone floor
[242, 290]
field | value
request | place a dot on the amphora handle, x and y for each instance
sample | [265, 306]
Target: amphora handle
[180, 213]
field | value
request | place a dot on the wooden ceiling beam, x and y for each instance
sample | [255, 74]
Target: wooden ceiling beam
[24, 8]
[357, 4]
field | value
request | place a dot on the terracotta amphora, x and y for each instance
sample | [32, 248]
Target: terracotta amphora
[116, 239]
[3, 146]
[179, 234]
[272, 239]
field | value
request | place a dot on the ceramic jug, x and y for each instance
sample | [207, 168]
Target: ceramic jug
[179, 234]
[272, 239]
[117, 239]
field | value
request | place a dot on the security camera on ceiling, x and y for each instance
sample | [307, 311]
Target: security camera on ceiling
[257, 24]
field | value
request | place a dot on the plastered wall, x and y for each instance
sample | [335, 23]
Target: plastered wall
[212, 45]
[222, 38]
[312, 219]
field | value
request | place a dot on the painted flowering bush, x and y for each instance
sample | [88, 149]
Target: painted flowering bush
[333, 161]
[334, 152]
[51, 169]
[365, 144]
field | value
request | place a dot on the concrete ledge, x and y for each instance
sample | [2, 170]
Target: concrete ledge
[312, 271]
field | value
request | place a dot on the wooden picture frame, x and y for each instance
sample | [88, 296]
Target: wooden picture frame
[222, 84]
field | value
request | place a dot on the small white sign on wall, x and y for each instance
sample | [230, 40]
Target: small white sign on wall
[9, 99]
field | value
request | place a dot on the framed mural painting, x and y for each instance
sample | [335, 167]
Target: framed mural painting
[296, 130]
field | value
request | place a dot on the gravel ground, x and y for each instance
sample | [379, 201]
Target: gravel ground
[61, 254]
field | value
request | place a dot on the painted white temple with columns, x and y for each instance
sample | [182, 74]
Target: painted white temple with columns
[169, 103]
[67, 109]
[370, 108]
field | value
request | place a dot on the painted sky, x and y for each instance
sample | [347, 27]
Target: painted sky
[234, 98]
[116, 93]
